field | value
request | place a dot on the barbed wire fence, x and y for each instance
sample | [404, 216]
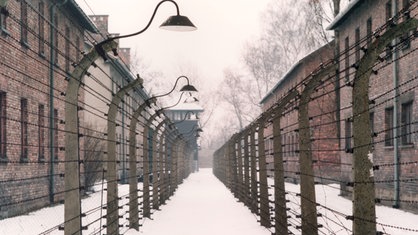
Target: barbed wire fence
[33, 146]
[296, 140]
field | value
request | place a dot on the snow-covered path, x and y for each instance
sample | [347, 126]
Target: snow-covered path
[202, 205]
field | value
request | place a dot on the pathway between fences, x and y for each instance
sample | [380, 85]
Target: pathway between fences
[202, 205]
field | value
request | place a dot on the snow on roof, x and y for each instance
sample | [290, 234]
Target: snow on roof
[187, 106]
[343, 14]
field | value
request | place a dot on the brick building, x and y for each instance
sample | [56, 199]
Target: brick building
[40, 41]
[392, 93]
[323, 126]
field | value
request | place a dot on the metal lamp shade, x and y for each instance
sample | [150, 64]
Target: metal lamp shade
[188, 88]
[178, 23]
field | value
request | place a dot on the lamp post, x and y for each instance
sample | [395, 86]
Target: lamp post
[174, 23]
[72, 207]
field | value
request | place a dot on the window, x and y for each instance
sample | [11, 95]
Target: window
[293, 145]
[24, 130]
[406, 125]
[389, 126]
[56, 148]
[41, 133]
[3, 20]
[406, 4]
[357, 35]
[388, 17]
[67, 49]
[347, 59]
[41, 28]
[371, 118]
[405, 39]
[369, 31]
[348, 135]
[3, 131]
[79, 46]
[388, 10]
[24, 22]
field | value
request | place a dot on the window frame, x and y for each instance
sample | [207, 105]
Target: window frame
[24, 23]
[24, 130]
[406, 123]
[41, 28]
[3, 127]
[389, 119]
[348, 134]
[56, 135]
[41, 133]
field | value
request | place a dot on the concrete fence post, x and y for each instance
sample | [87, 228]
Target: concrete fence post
[364, 214]
[280, 211]
[253, 165]
[307, 180]
[262, 164]
[133, 177]
[112, 215]
[246, 188]
[72, 206]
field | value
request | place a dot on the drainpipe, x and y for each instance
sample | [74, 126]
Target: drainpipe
[51, 98]
[395, 75]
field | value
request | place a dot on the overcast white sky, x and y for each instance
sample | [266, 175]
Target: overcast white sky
[223, 29]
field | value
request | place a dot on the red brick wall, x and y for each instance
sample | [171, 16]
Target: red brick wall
[382, 92]
[324, 127]
[24, 73]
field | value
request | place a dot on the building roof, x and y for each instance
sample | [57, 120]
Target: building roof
[290, 71]
[79, 14]
[185, 106]
[279, 83]
[344, 14]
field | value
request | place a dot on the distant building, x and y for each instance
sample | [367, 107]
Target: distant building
[324, 128]
[185, 117]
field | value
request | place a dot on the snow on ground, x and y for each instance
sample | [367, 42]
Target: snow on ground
[203, 205]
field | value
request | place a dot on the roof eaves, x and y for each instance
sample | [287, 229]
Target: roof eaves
[82, 17]
[343, 15]
[274, 89]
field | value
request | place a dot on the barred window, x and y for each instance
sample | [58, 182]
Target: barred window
[348, 134]
[369, 31]
[406, 125]
[41, 28]
[388, 17]
[24, 22]
[347, 59]
[67, 49]
[3, 126]
[389, 126]
[357, 35]
[41, 133]
[24, 129]
[3, 20]
[56, 137]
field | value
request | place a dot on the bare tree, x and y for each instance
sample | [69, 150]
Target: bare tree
[236, 91]
[292, 29]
